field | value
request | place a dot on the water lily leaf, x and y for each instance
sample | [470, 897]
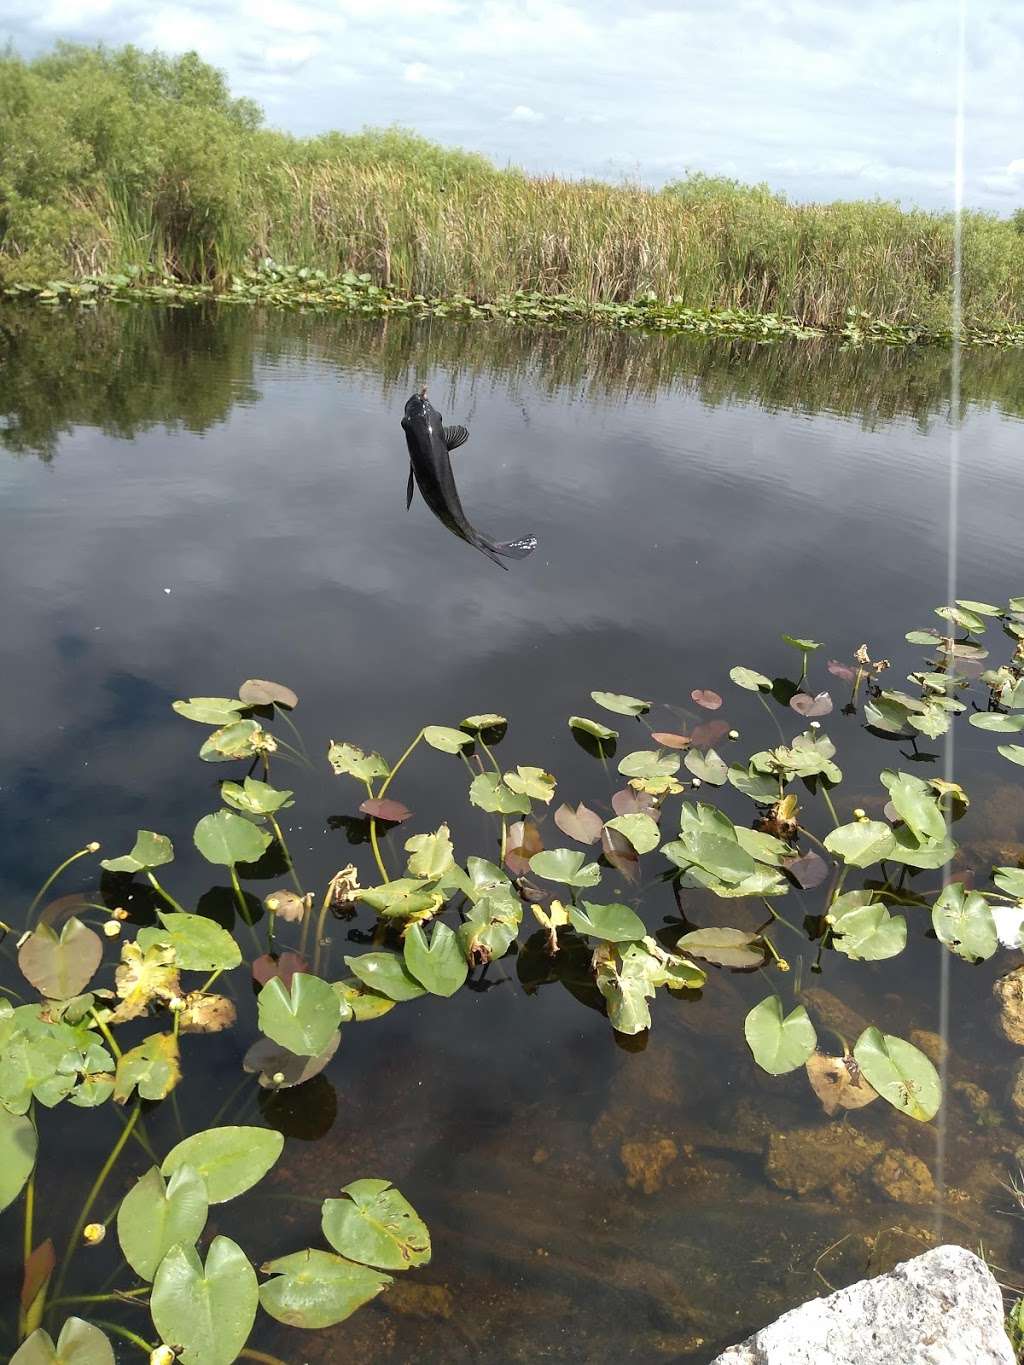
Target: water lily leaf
[240, 739]
[900, 1073]
[629, 801]
[392, 811]
[385, 973]
[751, 680]
[79, 1343]
[440, 965]
[206, 1013]
[227, 839]
[761, 787]
[29, 1060]
[60, 967]
[581, 824]
[230, 1160]
[276, 1068]
[254, 797]
[316, 1289]
[1010, 880]
[1009, 922]
[210, 710]
[709, 767]
[532, 782]
[261, 692]
[620, 703]
[18, 1145]
[351, 760]
[620, 853]
[960, 616]
[489, 793]
[805, 646]
[890, 717]
[930, 853]
[287, 907]
[524, 840]
[640, 830]
[668, 739]
[199, 944]
[358, 1002]
[808, 871]
[861, 843]
[933, 722]
[611, 923]
[447, 740]
[917, 803]
[302, 1018]
[848, 672]
[963, 921]
[719, 854]
[626, 977]
[837, 1082]
[649, 763]
[765, 848]
[979, 608]
[490, 928]
[404, 898]
[150, 850]
[143, 976]
[487, 721]
[376, 1225]
[703, 696]
[431, 854]
[996, 720]
[208, 1311]
[593, 728]
[154, 1216]
[866, 932]
[805, 705]
[565, 865]
[153, 1068]
[779, 1043]
[724, 947]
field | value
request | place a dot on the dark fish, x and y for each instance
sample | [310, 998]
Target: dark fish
[430, 468]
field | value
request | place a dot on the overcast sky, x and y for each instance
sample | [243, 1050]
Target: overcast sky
[822, 98]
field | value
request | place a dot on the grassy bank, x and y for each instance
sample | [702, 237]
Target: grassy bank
[110, 160]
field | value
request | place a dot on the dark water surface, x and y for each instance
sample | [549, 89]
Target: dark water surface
[190, 500]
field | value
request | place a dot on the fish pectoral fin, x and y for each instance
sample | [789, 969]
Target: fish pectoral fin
[455, 437]
[409, 490]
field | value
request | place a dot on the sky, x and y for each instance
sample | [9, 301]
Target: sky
[823, 99]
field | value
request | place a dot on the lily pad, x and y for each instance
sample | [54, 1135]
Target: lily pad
[254, 797]
[226, 839]
[709, 767]
[668, 739]
[315, 1289]
[199, 944]
[640, 830]
[620, 703]
[779, 1043]
[612, 923]
[865, 929]
[917, 803]
[581, 824]
[18, 1145]
[724, 947]
[150, 850]
[439, 965]
[431, 855]
[230, 1160]
[447, 740]
[79, 1343]
[489, 793]
[153, 1068]
[565, 865]
[262, 692]
[900, 1072]
[276, 1068]
[391, 811]
[649, 763]
[751, 680]
[804, 646]
[376, 1225]
[594, 728]
[240, 739]
[350, 760]
[703, 696]
[387, 974]
[207, 1311]
[302, 1019]
[533, 782]
[996, 720]
[60, 967]
[210, 710]
[861, 843]
[811, 706]
[963, 921]
[154, 1216]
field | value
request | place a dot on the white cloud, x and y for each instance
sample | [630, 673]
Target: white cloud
[418, 73]
[290, 56]
[522, 113]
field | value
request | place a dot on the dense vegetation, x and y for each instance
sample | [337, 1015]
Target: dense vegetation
[117, 159]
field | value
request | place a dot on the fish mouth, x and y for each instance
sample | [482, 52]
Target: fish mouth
[417, 405]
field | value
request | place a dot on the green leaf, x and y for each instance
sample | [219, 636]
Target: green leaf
[611, 923]
[1010, 880]
[996, 720]
[439, 965]
[358, 1002]
[315, 1289]
[447, 740]
[489, 793]
[350, 759]
[719, 854]
[487, 721]
[760, 787]
[627, 978]
[490, 927]
[200, 945]
[303, 1019]
[431, 854]
[709, 767]
[931, 853]
[60, 968]
[804, 646]
[210, 710]
[765, 848]
[594, 728]
[750, 680]
[79, 1343]
[532, 782]
[385, 973]
[207, 1311]
[238, 740]
[899, 1072]
[891, 717]
[153, 1068]
[151, 850]
[255, 798]
[401, 898]
[375, 1225]
[916, 803]
[153, 1217]
[967, 620]
[724, 947]
[227, 839]
[649, 763]
[979, 608]
[620, 703]
[861, 843]
[565, 865]
[866, 931]
[963, 921]
[229, 1160]
[779, 1044]
[18, 1146]
[639, 829]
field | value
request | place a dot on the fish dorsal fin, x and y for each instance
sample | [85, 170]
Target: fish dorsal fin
[455, 437]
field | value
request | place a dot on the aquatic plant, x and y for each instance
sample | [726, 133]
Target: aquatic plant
[442, 919]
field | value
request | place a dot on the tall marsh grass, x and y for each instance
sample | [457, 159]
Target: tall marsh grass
[111, 159]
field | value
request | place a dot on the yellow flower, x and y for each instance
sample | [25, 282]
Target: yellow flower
[94, 1233]
[112, 928]
[163, 1355]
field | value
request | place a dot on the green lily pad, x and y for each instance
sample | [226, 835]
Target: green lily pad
[761, 787]
[240, 739]
[641, 831]
[440, 964]
[351, 760]
[779, 1044]
[709, 767]
[917, 803]
[804, 646]
[376, 1225]
[230, 1160]
[226, 839]
[620, 703]
[594, 728]
[963, 921]
[79, 1343]
[154, 1216]
[254, 797]
[565, 865]
[447, 740]
[725, 947]
[153, 1068]
[997, 721]
[532, 782]
[199, 944]
[750, 680]
[487, 721]
[150, 850]
[865, 930]
[207, 1311]
[18, 1145]
[979, 608]
[1010, 880]
[60, 967]
[861, 843]
[611, 923]
[385, 973]
[302, 1019]
[431, 855]
[401, 898]
[210, 710]
[491, 794]
[929, 853]
[315, 1289]
[900, 1073]
[649, 763]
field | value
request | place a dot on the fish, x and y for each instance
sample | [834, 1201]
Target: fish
[430, 470]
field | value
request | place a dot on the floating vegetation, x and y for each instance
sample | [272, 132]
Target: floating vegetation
[444, 915]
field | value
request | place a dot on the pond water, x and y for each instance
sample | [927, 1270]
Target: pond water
[190, 499]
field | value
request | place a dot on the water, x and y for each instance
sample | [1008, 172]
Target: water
[190, 500]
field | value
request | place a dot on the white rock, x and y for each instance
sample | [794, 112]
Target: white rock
[942, 1308]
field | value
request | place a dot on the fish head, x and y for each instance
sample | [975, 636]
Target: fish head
[419, 405]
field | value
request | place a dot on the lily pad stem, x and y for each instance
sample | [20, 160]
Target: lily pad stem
[279, 836]
[108, 1037]
[166, 894]
[775, 720]
[813, 837]
[373, 841]
[240, 895]
[828, 802]
[124, 1332]
[209, 981]
[30, 1208]
[118, 1296]
[390, 777]
[82, 852]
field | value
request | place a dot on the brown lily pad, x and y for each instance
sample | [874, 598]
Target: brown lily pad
[385, 809]
[703, 696]
[838, 1083]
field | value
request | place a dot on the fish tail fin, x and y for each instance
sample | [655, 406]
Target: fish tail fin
[490, 550]
[518, 548]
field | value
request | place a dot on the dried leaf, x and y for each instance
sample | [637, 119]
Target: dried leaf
[805, 705]
[629, 802]
[838, 1083]
[581, 824]
[385, 809]
[286, 905]
[206, 1013]
[668, 739]
[711, 701]
[143, 977]
[285, 966]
